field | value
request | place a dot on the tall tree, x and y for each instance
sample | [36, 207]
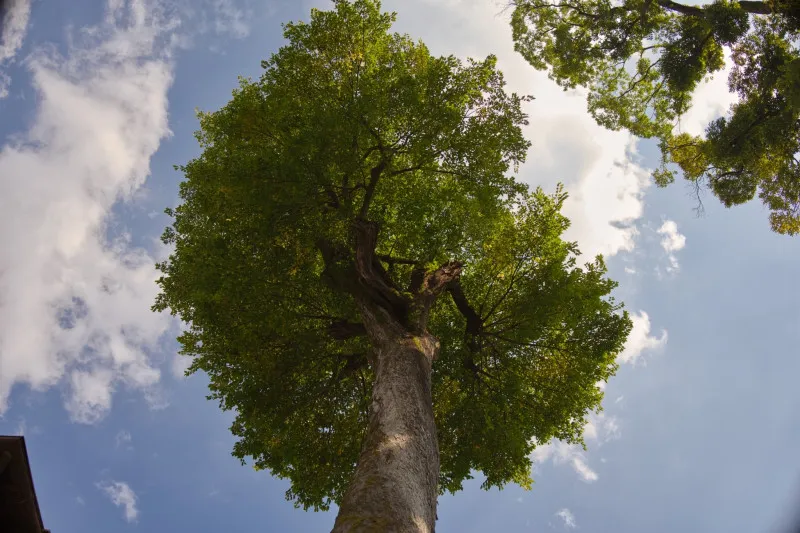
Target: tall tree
[641, 61]
[384, 306]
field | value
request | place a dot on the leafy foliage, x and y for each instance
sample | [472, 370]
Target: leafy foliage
[348, 123]
[641, 61]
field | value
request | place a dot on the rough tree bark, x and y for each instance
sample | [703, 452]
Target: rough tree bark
[395, 486]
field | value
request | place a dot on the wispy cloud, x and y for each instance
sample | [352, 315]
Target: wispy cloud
[563, 453]
[230, 19]
[672, 241]
[579, 464]
[74, 306]
[599, 429]
[640, 340]
[123, 438]
[74, 303]
[568, 518]
[122, 496]
[13, 25]
[15, 15]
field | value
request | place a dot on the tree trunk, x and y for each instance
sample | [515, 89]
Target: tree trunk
[395, 485]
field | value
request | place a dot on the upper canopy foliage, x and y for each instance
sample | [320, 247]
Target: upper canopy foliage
[641, 61]
[351, 123]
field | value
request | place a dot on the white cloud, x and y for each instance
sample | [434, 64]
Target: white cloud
[580, 466]
[568, 518]
[123, 438]
[180, 364]
[671, 241]
[598, 430]
[640, 339]
[13, 26]
[73, 305]
[230, 19]
[563, 453]
[79, 500]
[123, 496]
[599, 168]
[710, 100]
[601, 428]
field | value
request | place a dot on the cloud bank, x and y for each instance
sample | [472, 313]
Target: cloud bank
[74, 305]
[75, 295]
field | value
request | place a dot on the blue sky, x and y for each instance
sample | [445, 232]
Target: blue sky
[701, 424]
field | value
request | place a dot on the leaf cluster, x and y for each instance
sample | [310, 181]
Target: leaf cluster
[642, 60]
[353, 123]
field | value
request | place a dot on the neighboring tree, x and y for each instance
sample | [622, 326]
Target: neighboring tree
[385, 309]
[641, 61]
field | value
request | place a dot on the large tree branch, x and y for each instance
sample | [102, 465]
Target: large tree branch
[374, 176]
[432, 284]
[474, 326]
[341, 330]
[692, 11]
[754, 7]
[374, 282]
[438, 280]
[354, 363]
[474, 321]
[397, 260]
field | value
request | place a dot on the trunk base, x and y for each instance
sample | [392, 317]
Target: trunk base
[395, 485]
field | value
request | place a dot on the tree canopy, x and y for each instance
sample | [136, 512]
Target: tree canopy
[352, 126]
[641, 61]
